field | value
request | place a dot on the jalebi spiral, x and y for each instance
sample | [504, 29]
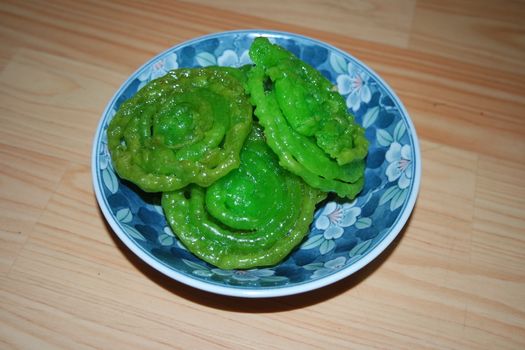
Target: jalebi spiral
[185, 127]
[253, 216]
[305, 121]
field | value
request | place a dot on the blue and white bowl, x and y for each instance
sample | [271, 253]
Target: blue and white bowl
[343, 237]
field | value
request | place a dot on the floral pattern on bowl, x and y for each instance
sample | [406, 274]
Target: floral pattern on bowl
[344, 236]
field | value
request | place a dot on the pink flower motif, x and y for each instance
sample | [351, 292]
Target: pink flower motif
[355, 84]
[229, 58]
[158, 69]
[335, 217]
[400, 167]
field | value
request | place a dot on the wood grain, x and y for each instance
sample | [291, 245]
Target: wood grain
[378, 21]
[454, 279]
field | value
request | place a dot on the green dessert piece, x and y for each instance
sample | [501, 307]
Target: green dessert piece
[240, 194]
[185, 127]
[253, 216]
[306, 122]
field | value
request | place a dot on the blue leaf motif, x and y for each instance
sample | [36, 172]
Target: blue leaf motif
[202, 273]
[192, 264]
[363, 223]
[166, 240]
[110, 180]
[313, 242]
[167, 230]
[124, 215]
[399, 131]
[398, 199]
[133, 232]
[180, 245]
[388, 195]
[338, 63]
[220, 272]
[370, 116]
[326, 246]
[353, 259]
[158, 209]
[104, 161]
[384, 138]
[206, 59]
[313, 266]
[360, 248]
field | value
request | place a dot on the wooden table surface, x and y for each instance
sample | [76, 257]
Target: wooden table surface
[455, 277]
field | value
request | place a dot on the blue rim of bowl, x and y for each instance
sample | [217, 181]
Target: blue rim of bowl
[238, 291]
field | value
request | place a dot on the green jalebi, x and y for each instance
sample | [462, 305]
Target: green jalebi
[185, 127]
[235, 198]
[253, 216]
[306, 122]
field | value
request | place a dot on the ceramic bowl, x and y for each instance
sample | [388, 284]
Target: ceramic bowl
[343, 237]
